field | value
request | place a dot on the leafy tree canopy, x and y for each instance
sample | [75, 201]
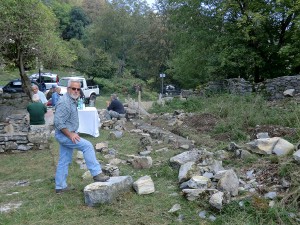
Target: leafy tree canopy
[233, 38]
[24, 25]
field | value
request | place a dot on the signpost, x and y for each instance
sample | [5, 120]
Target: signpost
[162, 75]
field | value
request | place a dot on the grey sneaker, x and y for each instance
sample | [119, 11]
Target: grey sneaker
[101, 178]
[60, 191]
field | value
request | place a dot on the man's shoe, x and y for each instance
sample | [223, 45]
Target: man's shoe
[101, 178]
[60, 191]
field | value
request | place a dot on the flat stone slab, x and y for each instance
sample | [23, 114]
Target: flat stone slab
[106, 192]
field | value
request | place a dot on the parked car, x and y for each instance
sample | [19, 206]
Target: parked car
[90, 92]
[48, 79]
[171, 90]
[15, 86]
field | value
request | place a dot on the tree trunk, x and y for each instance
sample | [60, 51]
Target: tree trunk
[26, 84]
[256, 74]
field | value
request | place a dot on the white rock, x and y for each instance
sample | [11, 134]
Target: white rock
[79, 155]
[296, 156]
[106, 192]
[229, 182]
[216, 200]
[283, 147]
[271, 195]
[192, 194]
[144, 185]
[202, 214]
[101, 145]
[289, 92]
[199, 182]
[175, 208]
[185, 171]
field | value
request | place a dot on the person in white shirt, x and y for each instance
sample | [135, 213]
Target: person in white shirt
[35, 90]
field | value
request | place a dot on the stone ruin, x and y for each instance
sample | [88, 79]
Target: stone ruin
[273, 89]
[16, 135]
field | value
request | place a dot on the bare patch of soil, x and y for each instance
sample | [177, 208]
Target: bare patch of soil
[266, 174]
[272, 130]
[203, 122]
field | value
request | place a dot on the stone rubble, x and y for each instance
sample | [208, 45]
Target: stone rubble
[144, 185]
[200, 172]
[106, 192]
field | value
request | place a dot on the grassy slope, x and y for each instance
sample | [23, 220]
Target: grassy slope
[42, 206]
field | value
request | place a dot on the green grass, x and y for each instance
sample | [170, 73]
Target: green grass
[237, 113]
[40, 204]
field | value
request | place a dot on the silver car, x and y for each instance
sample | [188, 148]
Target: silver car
[49, 79]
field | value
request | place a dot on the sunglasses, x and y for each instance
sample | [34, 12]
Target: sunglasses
[77, 89]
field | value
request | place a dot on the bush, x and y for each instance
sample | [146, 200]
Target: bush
[125, 87]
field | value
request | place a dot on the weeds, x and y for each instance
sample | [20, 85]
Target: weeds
[234, 114]
[237, 113]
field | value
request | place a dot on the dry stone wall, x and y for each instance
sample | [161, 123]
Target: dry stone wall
[273, 89]
[16, 135]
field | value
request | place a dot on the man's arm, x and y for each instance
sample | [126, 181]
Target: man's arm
[111, 106]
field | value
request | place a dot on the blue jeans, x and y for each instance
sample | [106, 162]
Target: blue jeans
[66, 147]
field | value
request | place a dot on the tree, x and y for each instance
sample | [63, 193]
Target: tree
[78, 22]
[93, 8]
[152, 48]
[55, 52]
[94, 62]
[22, 24]
[117, 29]
[62, 13]
[233, 38]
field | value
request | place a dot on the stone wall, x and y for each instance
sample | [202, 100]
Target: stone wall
[12, 103]
[272, 88]
[16, 135]
[233, 86]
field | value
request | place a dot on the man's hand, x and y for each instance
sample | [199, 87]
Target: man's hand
[74, 137]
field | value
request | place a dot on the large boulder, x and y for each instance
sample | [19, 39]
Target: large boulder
[276, 145]
[106, 192]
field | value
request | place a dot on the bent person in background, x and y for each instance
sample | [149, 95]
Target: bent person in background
[66, 124]
[36, 111]
[115, 108]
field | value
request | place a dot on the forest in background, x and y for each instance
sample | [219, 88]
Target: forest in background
[190, 41]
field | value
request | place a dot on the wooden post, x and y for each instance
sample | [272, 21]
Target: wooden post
[139, 102]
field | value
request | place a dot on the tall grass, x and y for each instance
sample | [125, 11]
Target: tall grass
[237, 113]
[40, 204]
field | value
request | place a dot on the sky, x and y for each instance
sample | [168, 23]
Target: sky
[150, 2]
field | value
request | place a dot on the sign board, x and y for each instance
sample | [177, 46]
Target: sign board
[162, 75]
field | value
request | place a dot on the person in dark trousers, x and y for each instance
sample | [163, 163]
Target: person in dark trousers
[36, 111]
[115, 108]
[66, 123]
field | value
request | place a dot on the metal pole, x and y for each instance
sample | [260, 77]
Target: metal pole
[162, 85]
